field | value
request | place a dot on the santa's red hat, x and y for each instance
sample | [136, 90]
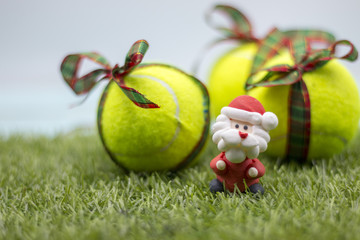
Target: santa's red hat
[249, 109]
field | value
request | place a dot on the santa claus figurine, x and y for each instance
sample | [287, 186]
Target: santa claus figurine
[241, 132]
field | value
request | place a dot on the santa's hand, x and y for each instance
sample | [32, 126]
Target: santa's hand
[221, 165]
[253, 172]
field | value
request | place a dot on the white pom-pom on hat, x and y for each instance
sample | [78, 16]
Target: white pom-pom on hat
[269, 121]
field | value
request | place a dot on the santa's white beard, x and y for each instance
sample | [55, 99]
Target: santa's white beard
[237, 149]
[235, 155]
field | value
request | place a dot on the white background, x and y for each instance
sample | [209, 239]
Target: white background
[35, 36]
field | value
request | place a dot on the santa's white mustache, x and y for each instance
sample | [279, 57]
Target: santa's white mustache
[230, 138]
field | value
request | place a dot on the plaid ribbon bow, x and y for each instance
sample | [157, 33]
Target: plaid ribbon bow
[241, 30]
[275, 40]
[306, 60]
[82, 85]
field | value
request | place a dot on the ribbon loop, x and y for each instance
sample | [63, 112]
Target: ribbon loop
[352, 55]
[311, 36]
[70, 68]
[136, 54]
[240, 29]
[71, 63]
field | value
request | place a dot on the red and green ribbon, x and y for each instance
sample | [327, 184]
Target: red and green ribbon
[306, 59]
[82, 85]
[275, 40]
[240, 29]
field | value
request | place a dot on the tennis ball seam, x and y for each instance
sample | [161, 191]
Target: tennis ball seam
[177, 112]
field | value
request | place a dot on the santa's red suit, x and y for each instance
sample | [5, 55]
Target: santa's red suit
[237, 173]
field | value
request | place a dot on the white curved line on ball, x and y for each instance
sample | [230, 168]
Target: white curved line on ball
[177, 112]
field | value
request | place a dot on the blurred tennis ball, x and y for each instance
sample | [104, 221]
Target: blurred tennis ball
[335, 108]
[228, 76]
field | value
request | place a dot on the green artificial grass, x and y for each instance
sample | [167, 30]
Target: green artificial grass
[66, 187]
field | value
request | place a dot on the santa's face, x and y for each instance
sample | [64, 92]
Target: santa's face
[239, 139]
[241, 126]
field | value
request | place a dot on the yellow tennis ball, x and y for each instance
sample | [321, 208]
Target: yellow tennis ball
[228, 76]
[165, 138]
[335, 108]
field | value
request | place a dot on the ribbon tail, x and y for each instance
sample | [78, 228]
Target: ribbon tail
[73, 105]
[139, 99]
[275, 76]
[299, 123]
[135, 96]
[264, 82]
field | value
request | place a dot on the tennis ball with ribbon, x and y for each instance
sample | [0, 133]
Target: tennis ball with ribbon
[228, 76]
[315, 98]
[165, 130]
